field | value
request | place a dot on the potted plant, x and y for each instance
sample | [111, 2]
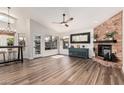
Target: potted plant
[110, 35]
[10, 41]
[95, 37]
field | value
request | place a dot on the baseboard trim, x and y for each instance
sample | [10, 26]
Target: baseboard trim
[49, 55]
[64, 54]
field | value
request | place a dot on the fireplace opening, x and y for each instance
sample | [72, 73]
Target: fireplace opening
[105, 51]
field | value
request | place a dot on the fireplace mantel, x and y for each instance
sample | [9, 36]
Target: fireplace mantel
[106, 41]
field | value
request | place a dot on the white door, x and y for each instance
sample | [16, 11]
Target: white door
[37, 46]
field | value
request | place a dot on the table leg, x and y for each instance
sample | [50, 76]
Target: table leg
[18, 54]
[22, 54]
[4, 57]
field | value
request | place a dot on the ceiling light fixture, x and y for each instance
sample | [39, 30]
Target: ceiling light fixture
[65, 21]
[7, 18]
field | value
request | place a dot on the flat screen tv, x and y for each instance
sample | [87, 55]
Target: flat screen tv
[80, 38]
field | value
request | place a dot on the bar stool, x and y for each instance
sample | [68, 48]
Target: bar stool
[14, 54]
[11, 54]
[3, 53]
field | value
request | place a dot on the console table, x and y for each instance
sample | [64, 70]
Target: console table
[20, 53]
[79, 52]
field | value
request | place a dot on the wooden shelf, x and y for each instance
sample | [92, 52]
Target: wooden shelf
[106, 41]
[7, 33]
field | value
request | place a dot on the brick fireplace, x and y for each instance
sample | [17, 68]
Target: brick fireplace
[102, 45]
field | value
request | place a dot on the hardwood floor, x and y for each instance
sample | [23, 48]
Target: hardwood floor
[62, 70]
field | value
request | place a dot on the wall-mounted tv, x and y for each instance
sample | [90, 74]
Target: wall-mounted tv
[80, 38]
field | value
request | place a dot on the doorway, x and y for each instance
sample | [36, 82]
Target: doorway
[37, 46]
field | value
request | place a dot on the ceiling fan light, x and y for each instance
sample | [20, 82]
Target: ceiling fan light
[65, 21]
[66, 25]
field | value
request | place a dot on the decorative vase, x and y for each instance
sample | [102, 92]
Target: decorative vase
[110, 38]
[94, 39]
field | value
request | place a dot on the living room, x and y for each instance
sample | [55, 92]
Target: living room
[51, 40]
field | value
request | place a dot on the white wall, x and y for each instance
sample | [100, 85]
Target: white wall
[39, 30]
[90, 46]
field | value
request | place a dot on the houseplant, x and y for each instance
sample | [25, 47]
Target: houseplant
[110, 35]
[10, 41]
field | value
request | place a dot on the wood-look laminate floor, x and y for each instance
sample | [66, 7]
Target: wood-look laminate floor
[60, 70]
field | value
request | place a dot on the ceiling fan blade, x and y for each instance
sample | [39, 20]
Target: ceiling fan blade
[57, 22]
[70, 19]
[66, 25]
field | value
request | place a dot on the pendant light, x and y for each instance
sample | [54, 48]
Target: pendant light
[8, 29]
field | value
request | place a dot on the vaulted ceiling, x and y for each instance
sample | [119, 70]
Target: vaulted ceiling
[84, 17]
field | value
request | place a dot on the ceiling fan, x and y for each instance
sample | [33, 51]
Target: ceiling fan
[64, 20]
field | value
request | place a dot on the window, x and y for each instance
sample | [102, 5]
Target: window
[50, 42]
[65, 42]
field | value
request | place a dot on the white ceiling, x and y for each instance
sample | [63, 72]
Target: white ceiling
[83, 17]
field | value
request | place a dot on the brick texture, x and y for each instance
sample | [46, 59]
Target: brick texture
[112, 24]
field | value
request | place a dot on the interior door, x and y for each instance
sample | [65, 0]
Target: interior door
[37, 46]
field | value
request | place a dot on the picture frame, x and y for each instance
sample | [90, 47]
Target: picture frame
[80, 38]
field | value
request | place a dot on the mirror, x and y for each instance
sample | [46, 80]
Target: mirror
[80, 38]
